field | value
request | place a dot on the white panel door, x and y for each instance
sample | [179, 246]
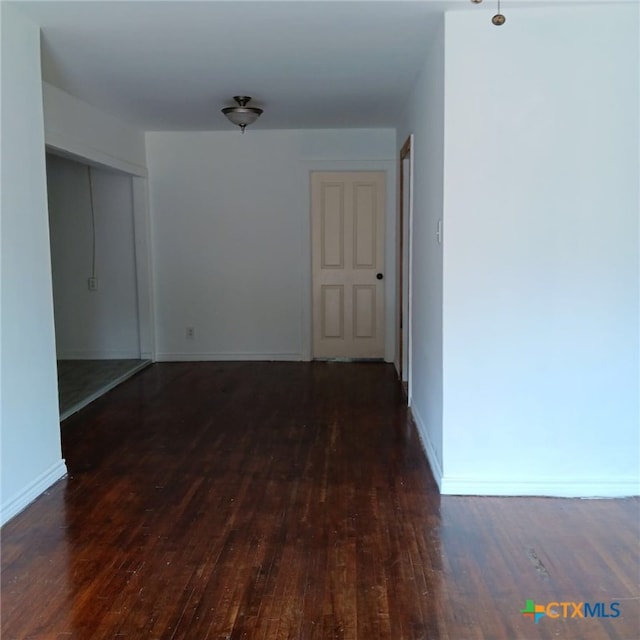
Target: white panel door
[347, 222]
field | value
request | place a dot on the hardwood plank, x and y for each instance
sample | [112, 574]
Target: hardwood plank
[293, 500]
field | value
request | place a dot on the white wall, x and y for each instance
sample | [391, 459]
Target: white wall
[30, 452]
[77, 128]
[424, 117]
[102, 323]
[541, 267]
[231, 236]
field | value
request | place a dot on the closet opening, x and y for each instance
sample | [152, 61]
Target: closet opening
[95, 279]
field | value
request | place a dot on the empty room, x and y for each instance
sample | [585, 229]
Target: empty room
[378, 266]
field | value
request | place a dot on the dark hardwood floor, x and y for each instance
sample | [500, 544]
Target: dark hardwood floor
[293, 500]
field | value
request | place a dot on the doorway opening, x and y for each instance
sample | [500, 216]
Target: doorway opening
[405, 218]
[95, 279]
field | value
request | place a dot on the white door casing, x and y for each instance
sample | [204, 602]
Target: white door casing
[348, 226]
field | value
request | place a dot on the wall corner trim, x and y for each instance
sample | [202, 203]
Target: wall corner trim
[34, 489]
[427, 446]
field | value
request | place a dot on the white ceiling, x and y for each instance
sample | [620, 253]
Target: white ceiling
[172, 65]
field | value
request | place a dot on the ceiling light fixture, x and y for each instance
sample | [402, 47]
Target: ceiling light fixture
[498, 19]
[242, 115]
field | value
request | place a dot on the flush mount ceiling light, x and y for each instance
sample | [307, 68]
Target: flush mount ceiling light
[498, 19]
[242, 115]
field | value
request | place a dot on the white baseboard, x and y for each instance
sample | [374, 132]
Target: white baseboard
[97, 355]
[544, 487]
[38, 486]
[207, 357]
[427, 446]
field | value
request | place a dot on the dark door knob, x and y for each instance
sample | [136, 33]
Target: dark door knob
[379, 276]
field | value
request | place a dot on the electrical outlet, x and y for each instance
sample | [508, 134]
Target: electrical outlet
[190, 332]
[93, 283]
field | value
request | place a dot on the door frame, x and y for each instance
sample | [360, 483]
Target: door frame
[404, 265]
[142, 244]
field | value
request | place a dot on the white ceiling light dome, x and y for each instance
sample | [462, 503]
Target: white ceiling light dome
[242, 115]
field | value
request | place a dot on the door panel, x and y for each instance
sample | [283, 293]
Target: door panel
[364, 311]
[365, 214]
[347, 211]
[332, 311]
[332, 212]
